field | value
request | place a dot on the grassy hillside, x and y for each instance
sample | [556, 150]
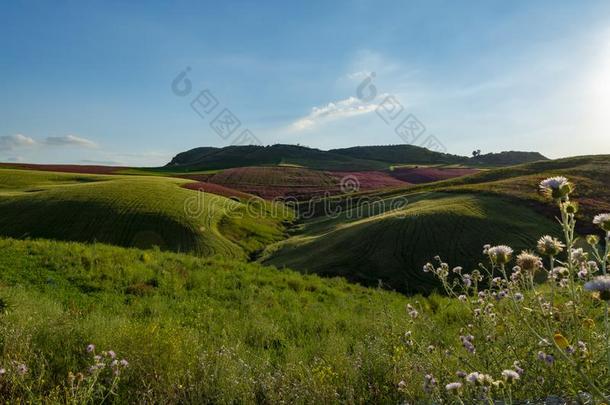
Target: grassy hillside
[418, 155]
[506, 158]
[394, 245]
[239, 156]
[132, 211]
[400, 154]
[193, 330]
[590, 173]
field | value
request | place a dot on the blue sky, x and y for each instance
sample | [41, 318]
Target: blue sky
[91, 82]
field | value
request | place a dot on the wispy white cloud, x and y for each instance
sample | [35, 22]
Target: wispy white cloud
[70, 140]
[10, 142]
[348, 107]
[19, 141]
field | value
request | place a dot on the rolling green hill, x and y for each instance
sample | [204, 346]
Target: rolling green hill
[239, 156]
[392, 246]
[133, 211]
[400, 154]
[507, 158]
[590, 173]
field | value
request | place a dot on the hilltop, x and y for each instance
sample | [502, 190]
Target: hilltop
[254, 155]
[354, 158]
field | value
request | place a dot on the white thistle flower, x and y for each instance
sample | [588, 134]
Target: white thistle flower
[529, 262]
[556, 187]
[500, 254]
[547, 245]
[603, 221]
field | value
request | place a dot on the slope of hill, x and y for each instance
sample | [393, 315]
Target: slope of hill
[239, 156]
[193, 330]
[132, 211]
[507, 158]
[392, 246]
[400, 154]
[591, 174]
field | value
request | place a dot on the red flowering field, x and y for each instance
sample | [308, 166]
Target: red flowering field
[299, 183]
[418, 175]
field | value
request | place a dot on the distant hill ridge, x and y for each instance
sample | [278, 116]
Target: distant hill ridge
[353, 158]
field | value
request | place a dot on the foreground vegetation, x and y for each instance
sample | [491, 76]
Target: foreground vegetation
[104, 324]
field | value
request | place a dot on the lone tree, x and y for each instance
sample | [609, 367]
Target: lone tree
[476, 153]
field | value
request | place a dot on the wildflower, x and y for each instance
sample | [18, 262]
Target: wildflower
[124, 363]
[460, 373]
[601, 285]
[579, 255]
[429, 382]
[571, 207]
[560, 340]
[111, 354]
[592, 240]
[476, 275]
[547, 358]
[486, 249]
[473, 378]
[402, 385]
[593, 267]
[431, 348]
[463, 298]
[529, 262]
[510, 376]
[517, 367]
[467, 343]
[518, 297]
[467, 280]
[2, 371]
[549, 246]
[90, 348]
[582, 273]
[502, 294]
[556, 187]
[428, 268]
[457, 270]
[412, 311]
[603, 221]
[558, 272]
[453, 387]
[22, 369]
[500, 254]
